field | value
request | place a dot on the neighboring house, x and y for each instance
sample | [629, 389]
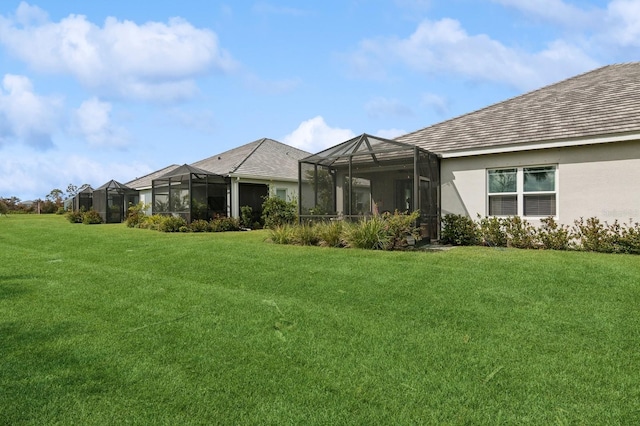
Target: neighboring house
[568, 150]
[144, 185]
[256, 170]
[253, 171]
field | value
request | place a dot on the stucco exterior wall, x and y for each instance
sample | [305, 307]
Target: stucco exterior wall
[592, 180]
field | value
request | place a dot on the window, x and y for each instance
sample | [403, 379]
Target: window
[524, 191]
[281, 193]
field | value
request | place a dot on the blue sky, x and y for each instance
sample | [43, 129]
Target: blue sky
[92, 91]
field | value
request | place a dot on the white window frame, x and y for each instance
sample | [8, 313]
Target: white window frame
[520, 193]
[286, 193]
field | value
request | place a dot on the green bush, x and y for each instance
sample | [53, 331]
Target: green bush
[629, 241]
[151, 222]
[91, 217]
[171, 224]
[400, 226]
[593, 235]
[74, 216]
[368, 234]
[277, 212]
[306, 235]
[554, 236]
[224, 224]
[330, 233]
[135, 215]
[246, 216]
[200, 225]
[459, 230]
[492, 232]
[520, 233]
[283, 234]
[61, 211]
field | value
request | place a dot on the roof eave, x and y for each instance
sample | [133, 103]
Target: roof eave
[554, 143]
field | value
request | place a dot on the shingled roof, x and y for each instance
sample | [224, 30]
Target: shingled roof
[602, 102]
[265, 158]
[146, 180]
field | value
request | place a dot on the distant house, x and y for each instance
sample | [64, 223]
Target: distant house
[252, 171]
[568, 150]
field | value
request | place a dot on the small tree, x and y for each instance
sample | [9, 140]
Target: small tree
[4, 209]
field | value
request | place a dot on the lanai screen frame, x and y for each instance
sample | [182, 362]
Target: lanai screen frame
[362, 163]
[112, 200]
[187, 179]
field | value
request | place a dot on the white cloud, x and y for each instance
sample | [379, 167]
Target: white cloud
[445, 47]
[43, 172]
[92, 121]
[26, 117]
[390, 133]
[150, 61]
[623, 19]
[381, 107]
[314, 135]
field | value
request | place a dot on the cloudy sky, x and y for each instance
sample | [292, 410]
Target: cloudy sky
[92, 91]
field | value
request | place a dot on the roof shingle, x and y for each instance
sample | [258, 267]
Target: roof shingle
[604, 101]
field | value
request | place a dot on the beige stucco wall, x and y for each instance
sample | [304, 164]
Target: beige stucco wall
[593, 180]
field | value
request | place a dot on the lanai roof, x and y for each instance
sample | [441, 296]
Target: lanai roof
[261, 158]
[602, 102]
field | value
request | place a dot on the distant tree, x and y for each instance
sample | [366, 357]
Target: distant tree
[55, 196]
[72, 190]
[4, 209]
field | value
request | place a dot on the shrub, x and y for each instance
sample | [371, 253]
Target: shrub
[520, 233]
[368, 234]
[60, 211]
[151, 222]
[330, 233]
[223, 224]
[277, 212]
[629, 241]
[200, 225]
[91, 217]
[246, 216]
[399, 226]
[283, 234]
[306, 235]
[554, 236]
[171, 224]
[184, 228]
[492, 232]
[74, 216]
[592, 235]
[136, 215]
[459, 230]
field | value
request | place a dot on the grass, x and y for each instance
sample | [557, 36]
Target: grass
[105, 325]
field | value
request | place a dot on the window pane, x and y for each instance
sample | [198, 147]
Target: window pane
[503, 205]
[539, 179]
[281, 194]
[503, 180]
[540, 205]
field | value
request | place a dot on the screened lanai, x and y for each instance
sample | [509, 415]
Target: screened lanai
[369, 175]
[83, 200]
[191, 193]
[112, 200]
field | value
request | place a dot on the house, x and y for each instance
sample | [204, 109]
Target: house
[567, 150]
[251, 172]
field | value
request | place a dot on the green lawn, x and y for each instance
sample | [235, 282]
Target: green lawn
[108, 325]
